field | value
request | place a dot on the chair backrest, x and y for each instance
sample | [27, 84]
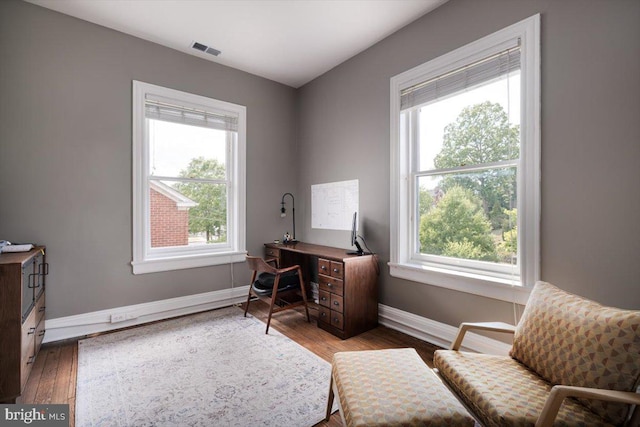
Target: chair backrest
[570, 340]
[258, 264]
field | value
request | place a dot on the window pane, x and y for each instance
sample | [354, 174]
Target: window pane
[477, 126]
[179, 150]
[186, 213]
[469, 215]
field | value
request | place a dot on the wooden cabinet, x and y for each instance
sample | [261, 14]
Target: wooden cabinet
[348, 295]
[347, 285]
[22, 314]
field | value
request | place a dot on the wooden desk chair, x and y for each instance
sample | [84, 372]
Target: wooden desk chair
[274, 283]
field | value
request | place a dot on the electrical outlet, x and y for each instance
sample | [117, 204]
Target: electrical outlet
[115, 318]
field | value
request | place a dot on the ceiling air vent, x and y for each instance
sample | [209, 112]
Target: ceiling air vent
[206, 49]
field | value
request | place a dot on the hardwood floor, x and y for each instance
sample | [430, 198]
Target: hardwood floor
[54, 374]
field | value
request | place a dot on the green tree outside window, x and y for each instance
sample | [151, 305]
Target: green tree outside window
[210, 216]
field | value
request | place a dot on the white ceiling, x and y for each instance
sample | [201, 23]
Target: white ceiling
[289, 41]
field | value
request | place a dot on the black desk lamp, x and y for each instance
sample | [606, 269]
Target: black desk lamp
[283, 213]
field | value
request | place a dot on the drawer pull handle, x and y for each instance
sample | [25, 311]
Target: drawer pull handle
[31, 331]
[335, 270]
[323, 314]
[329, 285]
[323, 268]
[41, 309]
[336, 303]
[41, 334]
[336, 320]
[31, 283]
[31, 360]
[323, 298]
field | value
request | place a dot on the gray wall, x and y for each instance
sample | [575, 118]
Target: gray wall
[65, 153]
[65, 149]
[590, 145]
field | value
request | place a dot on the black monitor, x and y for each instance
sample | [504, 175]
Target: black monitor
[354, 236]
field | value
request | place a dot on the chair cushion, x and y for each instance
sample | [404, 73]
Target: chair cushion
[502, 392]
[264, 283]
[266, 280]
[571, 340]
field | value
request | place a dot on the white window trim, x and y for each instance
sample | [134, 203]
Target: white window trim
[165, 259]
[401, 264]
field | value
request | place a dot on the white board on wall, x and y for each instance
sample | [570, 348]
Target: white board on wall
[333, 204]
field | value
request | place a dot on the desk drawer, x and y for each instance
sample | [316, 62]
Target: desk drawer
[336, 269]
[271, 253]
[324, 315]
[330, 284]
[337, 320]
[324, 266]
[324, 298]
[330, 317]
[330, 268]
[336, 303]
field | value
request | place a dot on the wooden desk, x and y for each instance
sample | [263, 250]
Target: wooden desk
[348, 284]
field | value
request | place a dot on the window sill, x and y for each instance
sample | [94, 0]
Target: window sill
[476, 284]
[155, 265]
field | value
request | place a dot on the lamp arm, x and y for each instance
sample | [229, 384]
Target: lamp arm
[293, 207]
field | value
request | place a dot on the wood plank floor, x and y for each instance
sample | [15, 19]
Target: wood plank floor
[54, 374]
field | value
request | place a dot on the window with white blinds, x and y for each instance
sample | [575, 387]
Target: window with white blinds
[465, 167]
[162, 109]
[482, 71]
[188, 180]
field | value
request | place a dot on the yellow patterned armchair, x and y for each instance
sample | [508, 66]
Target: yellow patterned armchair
[573, 362]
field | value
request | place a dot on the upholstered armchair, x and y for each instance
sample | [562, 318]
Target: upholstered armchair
[573, 362]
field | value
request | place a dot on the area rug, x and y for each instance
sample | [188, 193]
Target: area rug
[216, 368]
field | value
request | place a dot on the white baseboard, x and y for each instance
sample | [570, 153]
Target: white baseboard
[416, 326]
[100, 321]
[437, 333]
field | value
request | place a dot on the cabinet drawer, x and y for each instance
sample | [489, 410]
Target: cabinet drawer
[331, 317]
[324, 266]
[26, 363]
[28, 347]
[330, 284]
[39, 309]
[324, 298]
[324, 314]
[336, 269]
[337, 320]
[272, 253]
[28, 333]
[336, 303]
[39, 336]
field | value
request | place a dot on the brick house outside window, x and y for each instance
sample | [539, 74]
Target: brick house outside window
[169, 219]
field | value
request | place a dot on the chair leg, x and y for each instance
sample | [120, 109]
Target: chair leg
[330, 400]
[253, 278]
[304, 294]
[274, 297]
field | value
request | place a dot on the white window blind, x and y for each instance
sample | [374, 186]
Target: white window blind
[468, 76]
[158, 109]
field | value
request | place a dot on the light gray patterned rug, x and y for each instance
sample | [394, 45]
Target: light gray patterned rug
[216, 368]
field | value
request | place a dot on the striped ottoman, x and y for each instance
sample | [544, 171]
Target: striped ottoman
[391, 388]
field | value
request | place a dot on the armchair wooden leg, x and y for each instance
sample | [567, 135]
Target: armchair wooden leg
[330, 400]
[246, 307]
[274, 297]
[304, 294]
